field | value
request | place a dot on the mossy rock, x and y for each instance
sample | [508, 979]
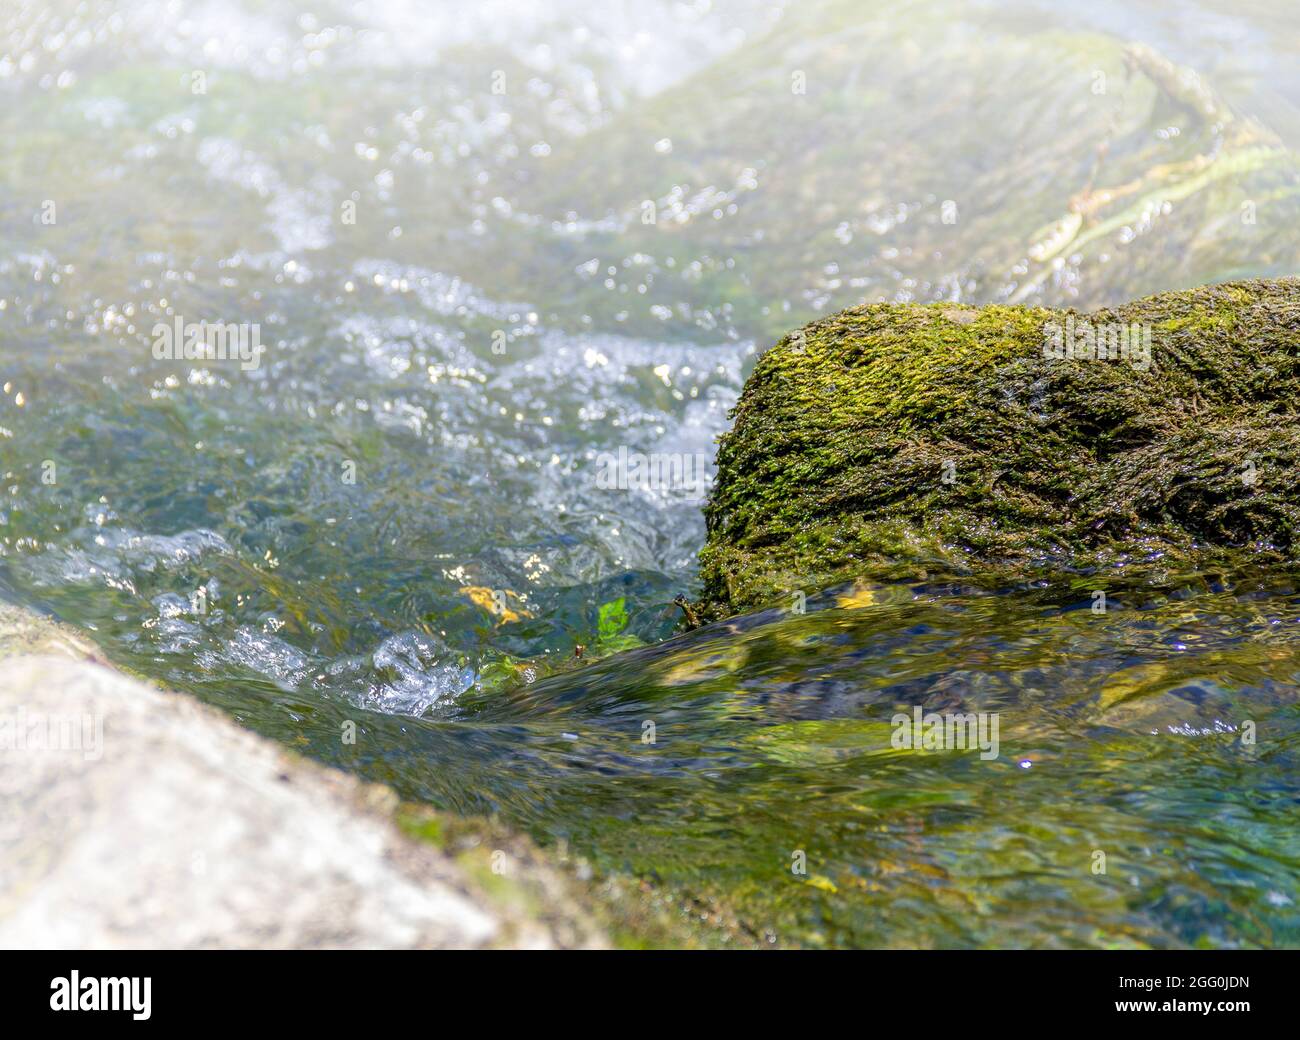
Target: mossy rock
[945, 437]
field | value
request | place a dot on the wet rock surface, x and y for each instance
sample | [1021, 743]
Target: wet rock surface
[1160, 434]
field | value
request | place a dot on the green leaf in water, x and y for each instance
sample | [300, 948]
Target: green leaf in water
[613, 619]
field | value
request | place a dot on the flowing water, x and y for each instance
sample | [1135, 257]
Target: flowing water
[487, 247]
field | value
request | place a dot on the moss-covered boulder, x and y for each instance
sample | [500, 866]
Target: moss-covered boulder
[1160, 434]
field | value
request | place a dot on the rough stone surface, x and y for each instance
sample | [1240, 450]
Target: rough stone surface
[170, 826]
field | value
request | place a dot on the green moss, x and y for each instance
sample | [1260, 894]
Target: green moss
[943, 436]
[423, 826]
[526, 882]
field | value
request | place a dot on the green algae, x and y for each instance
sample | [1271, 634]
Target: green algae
[528, 882]
[944, 437]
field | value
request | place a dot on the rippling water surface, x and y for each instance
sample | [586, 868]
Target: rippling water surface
[485, 247]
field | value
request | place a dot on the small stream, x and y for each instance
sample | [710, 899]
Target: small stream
[483, 253]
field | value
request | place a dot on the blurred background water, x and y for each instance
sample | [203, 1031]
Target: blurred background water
[486, 244]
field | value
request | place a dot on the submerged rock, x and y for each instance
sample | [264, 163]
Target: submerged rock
[1004, 160]
[1160, 434]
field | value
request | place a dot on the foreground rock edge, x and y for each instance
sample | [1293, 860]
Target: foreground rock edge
[168, 825]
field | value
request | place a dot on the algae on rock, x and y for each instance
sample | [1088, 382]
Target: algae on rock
[946, 436]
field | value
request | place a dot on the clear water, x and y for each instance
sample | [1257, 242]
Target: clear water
[436, 216]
